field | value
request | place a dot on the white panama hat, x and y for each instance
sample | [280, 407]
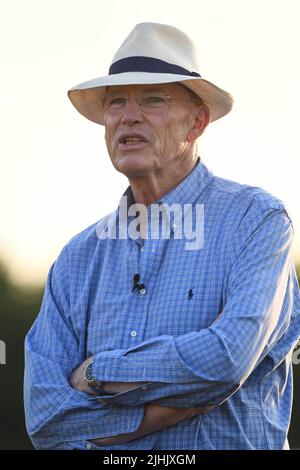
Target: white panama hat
[152, 53]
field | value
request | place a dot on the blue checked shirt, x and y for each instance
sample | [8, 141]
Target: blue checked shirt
[214, 326]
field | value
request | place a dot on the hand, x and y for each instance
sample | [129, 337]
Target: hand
[77, 381]
[77, 378]
[155, 419]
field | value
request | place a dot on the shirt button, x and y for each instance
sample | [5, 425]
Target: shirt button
[133, 334]
[142, 248]
[142, 291]
[89, 446]
[174, 227]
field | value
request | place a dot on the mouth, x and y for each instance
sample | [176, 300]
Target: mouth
[132, 140]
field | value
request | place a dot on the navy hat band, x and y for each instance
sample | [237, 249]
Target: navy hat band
[148, 64]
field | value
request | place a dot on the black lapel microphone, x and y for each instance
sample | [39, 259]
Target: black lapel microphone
[136, 284]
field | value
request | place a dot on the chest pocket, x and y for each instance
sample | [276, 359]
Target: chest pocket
[186, 309]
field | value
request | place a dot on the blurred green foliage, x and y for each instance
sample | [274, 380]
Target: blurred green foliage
[18, 309]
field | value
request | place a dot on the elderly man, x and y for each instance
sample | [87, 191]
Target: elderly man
[173, 330]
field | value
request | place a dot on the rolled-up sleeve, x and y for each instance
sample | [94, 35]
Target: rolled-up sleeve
[58, 416]
[205, 367]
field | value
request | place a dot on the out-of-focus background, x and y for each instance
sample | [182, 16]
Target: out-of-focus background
[56, 177]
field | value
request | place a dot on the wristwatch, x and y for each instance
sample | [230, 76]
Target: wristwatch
[92, 382]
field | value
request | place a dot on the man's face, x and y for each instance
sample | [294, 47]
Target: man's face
[146, 127]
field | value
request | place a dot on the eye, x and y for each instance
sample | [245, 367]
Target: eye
[155, 100]
[116, 101]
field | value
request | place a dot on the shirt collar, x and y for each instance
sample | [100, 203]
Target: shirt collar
[189, 190]
[186, 192]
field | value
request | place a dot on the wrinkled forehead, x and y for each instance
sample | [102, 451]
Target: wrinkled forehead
[166, 88]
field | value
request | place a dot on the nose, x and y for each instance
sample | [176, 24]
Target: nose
[131, 113]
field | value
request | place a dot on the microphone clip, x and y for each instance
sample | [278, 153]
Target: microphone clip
[136, 284]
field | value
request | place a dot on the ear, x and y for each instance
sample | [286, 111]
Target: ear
[201, 121]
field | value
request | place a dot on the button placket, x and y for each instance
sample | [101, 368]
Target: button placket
[137, 317]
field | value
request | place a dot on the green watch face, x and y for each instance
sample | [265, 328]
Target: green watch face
[89, 372]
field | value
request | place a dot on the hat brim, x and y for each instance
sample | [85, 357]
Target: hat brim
[87, 96]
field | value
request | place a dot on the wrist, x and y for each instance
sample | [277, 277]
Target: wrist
[91, 381]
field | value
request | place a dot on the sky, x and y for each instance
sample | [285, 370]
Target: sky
[56, 177]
